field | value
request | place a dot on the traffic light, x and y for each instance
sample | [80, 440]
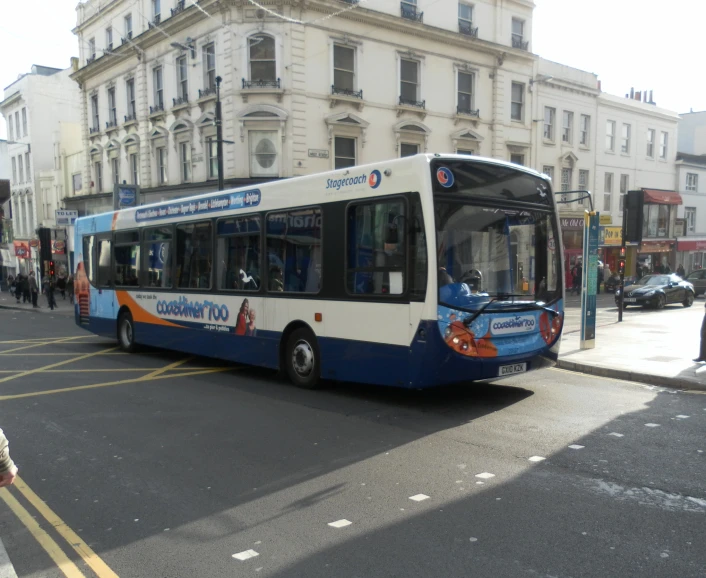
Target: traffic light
[51, 269]
[621, 266]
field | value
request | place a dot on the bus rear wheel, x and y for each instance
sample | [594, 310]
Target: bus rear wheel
[302, 359]
[126, 332]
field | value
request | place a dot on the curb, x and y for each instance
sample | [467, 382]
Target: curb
[649, 378]
[7, 570]
[40, 310]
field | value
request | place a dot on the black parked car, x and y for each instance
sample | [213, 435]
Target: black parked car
[657, 291]
[613, 282]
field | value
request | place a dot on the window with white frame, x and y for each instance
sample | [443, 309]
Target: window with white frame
[585, 130]
[625, 145]
[692, 181]
[158, 88]
[182, 79]
[518, 32]
[663, 145]
[130, 91]
[408, 149]
[607, 191]
[583, 184]
[263, 153]
[22, 170]
[112, 110]
[409, 81]
[650, 143]
[568, 127]
[14, 171]
[464, 101]
[185, 161]
[91, 48]
[128, 26]
[549, 122]
[212, 157]
[115, 168]
[262, 59]
[518, 101]
[517, 158]
[344, 152]
[156, 10]
[161, 154]
[690, 217]
[17, 124]
[209, 66]
[610, 135]
[109, 38]
[94, 113]
[98, 176]
[566, 178]
[343, 68]
[549, 171]
[134, 168]
[10, 132]
[27, 167]
[465, 18]
[24, 121]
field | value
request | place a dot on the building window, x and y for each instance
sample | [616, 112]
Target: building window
[17, 124]
[209, 64]
[98, 176]
[161, 165]
[94, 113]
[10, 132]
[263, 63]
[656, 220]
[549, 171]
[91, 49]
[467, 152]
[263, 154]
[518, 101]
[465, 92]
[343, 67]
[625, 146]
[517, 159]
[663, 145]
[182, 79]
[212, 154]
[115, 167]
[14, 171]
[692, 181]
[408, 149]
[112, 110]
[409, 81]
[651, 143]
[585, 130]
[344, 152]
[24, 122]
[690, 217]
[549, 121]
[109, 38]
[22, 170]
[607, 191]
[156, 11]
[27, 167]
[134, 169]
[583, 183]
[158, 88]
[130, 90]
[610, 135]
[518, 32]
[128, 26]
[465, 19]
[566, 179]
[185, 161]
[568, 127]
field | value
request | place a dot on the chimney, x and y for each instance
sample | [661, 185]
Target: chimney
[632, 92]
[651, 101]
[599, 86]
[638, 96]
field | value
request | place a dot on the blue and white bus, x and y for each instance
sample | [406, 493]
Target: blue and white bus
[413, 272]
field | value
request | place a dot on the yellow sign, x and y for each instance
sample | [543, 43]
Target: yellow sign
[612, 236]
[606, 220]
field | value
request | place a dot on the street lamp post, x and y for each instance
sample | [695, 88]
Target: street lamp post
[219, 133]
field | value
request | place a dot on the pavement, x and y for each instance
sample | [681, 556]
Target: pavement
[64, 306]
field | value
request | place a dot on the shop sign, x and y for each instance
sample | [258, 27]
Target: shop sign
[691, 245]
[58, 247]
[575, 224]
[655, 248]
[21, 249]
[34, 243]
[611, 236]
[606, 220]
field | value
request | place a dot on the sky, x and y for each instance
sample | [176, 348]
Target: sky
[627, 43]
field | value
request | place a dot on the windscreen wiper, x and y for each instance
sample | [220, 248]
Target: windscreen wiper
[501, 296]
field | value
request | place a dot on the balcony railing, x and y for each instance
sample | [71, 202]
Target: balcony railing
[467, 28]
[156, 108]
[409, 11]
[347, 92]
[262, 83]
[179, 8]
[207, 92]
[90, 59]
[519, 43]
[125, 38]
[109, 48]
[155, 21]
[94, 130]
[181, 100]
[467, 111]
[130, 117]
[410, 102]
[111, 124]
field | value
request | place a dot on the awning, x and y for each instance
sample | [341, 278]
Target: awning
[662, 197]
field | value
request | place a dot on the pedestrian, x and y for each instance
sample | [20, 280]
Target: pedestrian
[61, 286]
[34, 289]
[680, 271]
[577, 273]
[8, 469]
[70, 288]
[51, 288]
[13, 285]
[702, 348]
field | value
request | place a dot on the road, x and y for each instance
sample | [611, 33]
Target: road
[158, 465]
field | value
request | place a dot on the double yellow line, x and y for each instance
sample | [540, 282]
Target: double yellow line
[70, 570]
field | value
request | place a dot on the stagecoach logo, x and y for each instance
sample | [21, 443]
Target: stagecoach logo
[445, 177]
[509, 325]
[374, 179]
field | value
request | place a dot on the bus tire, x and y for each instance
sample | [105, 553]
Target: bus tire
[126, 332]
[302, 360]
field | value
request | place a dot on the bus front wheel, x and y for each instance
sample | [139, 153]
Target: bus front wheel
[126, 332]
[302, 359]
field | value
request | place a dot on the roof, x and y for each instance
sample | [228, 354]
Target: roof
[694, 159]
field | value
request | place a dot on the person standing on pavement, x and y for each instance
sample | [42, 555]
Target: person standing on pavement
[599, 279]
[61, 286]
[8, 469]
[33, 288]
[12, 282]
[702, 348]
[51, 288]
[680, 271]
[70, 288]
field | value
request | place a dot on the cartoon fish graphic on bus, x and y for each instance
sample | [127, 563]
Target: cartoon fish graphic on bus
[82, 291]
[462, 340]
[549, 328]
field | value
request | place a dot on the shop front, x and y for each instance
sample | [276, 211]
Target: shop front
[691, 253]
[572, 237]
[656, 256]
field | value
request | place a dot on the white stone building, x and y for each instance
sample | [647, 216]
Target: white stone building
[33, 107]
[691, 184]
[378, 80]
[692, 133]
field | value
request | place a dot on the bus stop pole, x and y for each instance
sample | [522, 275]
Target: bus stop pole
[623, 255]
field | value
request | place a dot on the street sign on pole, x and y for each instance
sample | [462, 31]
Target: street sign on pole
[589, 280]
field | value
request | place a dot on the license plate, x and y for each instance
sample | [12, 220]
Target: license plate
[629, 299]
[512, 369]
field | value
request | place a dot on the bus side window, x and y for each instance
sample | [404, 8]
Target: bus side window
[194, 255]
[157, 255]
[238, 254]
[103, 263]
[88, 258]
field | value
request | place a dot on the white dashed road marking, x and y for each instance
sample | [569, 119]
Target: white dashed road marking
[576, 447]
[340, 523]
[615, 434]
[651, 425]
[537, 459]
[419, 497]
[246, 555]
[485, 475]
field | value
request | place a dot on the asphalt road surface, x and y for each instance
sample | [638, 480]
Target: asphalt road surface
[159, 465]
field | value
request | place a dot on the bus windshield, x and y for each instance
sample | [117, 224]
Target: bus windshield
[498, 253]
